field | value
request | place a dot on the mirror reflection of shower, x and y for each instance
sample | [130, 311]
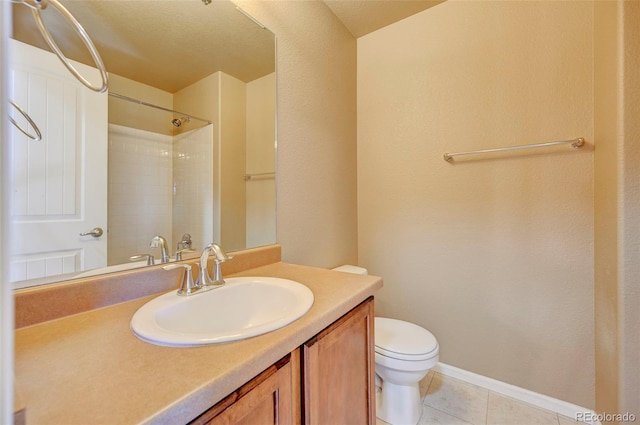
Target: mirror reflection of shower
[135, 113]
[159, 163]
[179, 121]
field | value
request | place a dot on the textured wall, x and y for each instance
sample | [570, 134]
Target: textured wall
[316, 131]
[617, 204]
[630, 231]
[606, 205]
[493, 254]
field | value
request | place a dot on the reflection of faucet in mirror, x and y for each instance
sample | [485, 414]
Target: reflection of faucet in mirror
[160, 242]
[184, 245]
[185, 242]
[204, 279]
[150, 260]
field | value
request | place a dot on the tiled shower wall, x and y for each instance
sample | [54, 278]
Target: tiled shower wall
[193, 186]
[140, 192]
[158, 185]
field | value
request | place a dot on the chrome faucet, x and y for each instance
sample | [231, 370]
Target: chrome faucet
[204, 279]
[160, 242]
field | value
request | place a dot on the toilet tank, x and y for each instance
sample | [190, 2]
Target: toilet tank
[347, 268]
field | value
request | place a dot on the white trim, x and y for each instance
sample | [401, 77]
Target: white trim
[539, 400]
[6, 295]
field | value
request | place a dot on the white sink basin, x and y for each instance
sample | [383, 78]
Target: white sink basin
[242, 308]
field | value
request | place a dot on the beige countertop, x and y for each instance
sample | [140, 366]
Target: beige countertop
[89, 368]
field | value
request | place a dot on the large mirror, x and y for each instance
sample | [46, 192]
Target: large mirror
[181, 146]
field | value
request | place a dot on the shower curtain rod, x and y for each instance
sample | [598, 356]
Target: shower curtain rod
[575, 143]
[140, 102]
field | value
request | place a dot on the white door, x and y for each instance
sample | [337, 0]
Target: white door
[59, 186]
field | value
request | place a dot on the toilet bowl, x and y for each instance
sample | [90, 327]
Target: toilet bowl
[404, 353]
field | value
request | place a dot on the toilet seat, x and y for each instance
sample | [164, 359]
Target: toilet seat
[402, 340]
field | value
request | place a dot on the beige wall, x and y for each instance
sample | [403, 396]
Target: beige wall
[617, 201]
[606, 204]
[261, 158]
[630, 214]
[200, 98]
[133, 115]
[316, 101]
[233, 128]
[493, 254]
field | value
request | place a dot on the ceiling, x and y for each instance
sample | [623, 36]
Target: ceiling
[170, 44]
[364, 16]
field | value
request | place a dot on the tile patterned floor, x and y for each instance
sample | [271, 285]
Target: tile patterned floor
[449, 401]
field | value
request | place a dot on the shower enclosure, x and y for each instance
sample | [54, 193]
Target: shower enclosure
[172, 171]
[160, 178]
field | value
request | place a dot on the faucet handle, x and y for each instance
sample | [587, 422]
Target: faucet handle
[179, 253]
[224, 259]
[187, 287]
[150, 260]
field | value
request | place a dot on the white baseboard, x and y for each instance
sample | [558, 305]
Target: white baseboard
[539, 400]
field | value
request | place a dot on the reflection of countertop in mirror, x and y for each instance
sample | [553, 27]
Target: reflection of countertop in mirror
[90, 368]
[19, 407]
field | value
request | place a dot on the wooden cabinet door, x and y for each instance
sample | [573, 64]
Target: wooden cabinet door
[265, 400]
[339, 371]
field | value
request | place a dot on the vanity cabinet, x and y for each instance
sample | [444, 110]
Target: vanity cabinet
[338, 369]
[265, 400]
[330, 380]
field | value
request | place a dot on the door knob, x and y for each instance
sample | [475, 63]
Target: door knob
[96, 232]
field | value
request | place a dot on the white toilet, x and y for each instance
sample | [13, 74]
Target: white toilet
[404, 353]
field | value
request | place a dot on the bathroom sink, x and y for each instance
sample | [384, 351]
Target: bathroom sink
[242, 308]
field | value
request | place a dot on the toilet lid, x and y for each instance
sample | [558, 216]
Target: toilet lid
[404, 340]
